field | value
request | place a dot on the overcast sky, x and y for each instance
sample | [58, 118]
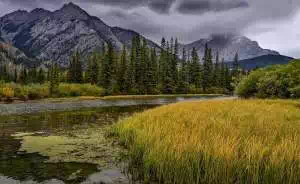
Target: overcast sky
[275, 24]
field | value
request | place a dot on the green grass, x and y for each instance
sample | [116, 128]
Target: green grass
[219, 141]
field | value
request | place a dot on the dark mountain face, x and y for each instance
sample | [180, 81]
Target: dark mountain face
[56, 35]
[262, 61]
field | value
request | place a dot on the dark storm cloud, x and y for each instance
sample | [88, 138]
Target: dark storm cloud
[202, 6]
[135, 21]
[159, 6]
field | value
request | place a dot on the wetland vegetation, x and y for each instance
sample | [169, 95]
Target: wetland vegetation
[69, 146]
[220, 141]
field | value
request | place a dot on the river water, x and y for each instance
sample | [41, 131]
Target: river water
[53, 119]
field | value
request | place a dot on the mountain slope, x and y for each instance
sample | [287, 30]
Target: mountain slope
[229, 44]
[11, 54]
[56, 35]
[125, 36]
[262, 61]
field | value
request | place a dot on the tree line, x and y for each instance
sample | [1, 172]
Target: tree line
[140, 70]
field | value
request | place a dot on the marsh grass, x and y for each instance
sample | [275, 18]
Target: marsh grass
[220, 141]
[41, 91]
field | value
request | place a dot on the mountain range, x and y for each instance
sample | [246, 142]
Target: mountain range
[42, 35]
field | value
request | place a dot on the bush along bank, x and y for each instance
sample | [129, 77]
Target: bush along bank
[280, 81]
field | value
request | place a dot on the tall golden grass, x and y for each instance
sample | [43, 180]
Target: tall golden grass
[218, 141]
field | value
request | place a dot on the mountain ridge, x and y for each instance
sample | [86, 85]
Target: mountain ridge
[55, 35]
[228, 45]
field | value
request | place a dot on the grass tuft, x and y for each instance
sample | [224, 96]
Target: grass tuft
[220, 141]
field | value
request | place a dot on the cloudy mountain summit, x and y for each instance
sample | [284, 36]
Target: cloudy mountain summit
[54, 35]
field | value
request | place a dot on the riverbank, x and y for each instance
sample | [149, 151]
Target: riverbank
[63, 104]
[117, 97]
[219, 141]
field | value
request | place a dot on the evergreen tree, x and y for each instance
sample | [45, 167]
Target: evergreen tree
[54, 79]
[222, 75]
[78, 69]
[153, 72]
[108, 71]
[75, 72]
[23, 76]
[207, 69]
[183, 79]
[32, 75]
[92, 72]
[41, 76]
[142, 68]
[235, 70]
[228, 79]
[122, 69]
[174, 63]
[217, 72]
[4, 73]
[168, 85]
[195, 69]
[130, 73]
[16, 75]
[162, 63]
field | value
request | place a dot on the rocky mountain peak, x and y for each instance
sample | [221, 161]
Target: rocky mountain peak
[17, 17]
[71, 11]
[228, 44]
[40, 11]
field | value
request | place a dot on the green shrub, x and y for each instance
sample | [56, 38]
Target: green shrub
[91, 90]
[272, 82]
[74, 90]
[37, 91]
[248, 85]
[22, 92]
[68, 90]
[7, 92]
[295, 92]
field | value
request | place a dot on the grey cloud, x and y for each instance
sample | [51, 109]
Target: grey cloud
[202, 6]
[135, 21]
[159, 6]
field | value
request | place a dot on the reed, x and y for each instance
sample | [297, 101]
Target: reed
[218, 141]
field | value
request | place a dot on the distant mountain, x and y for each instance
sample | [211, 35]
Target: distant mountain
[53, 36]
[229, 44]
[56, 35]
[262, 61]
